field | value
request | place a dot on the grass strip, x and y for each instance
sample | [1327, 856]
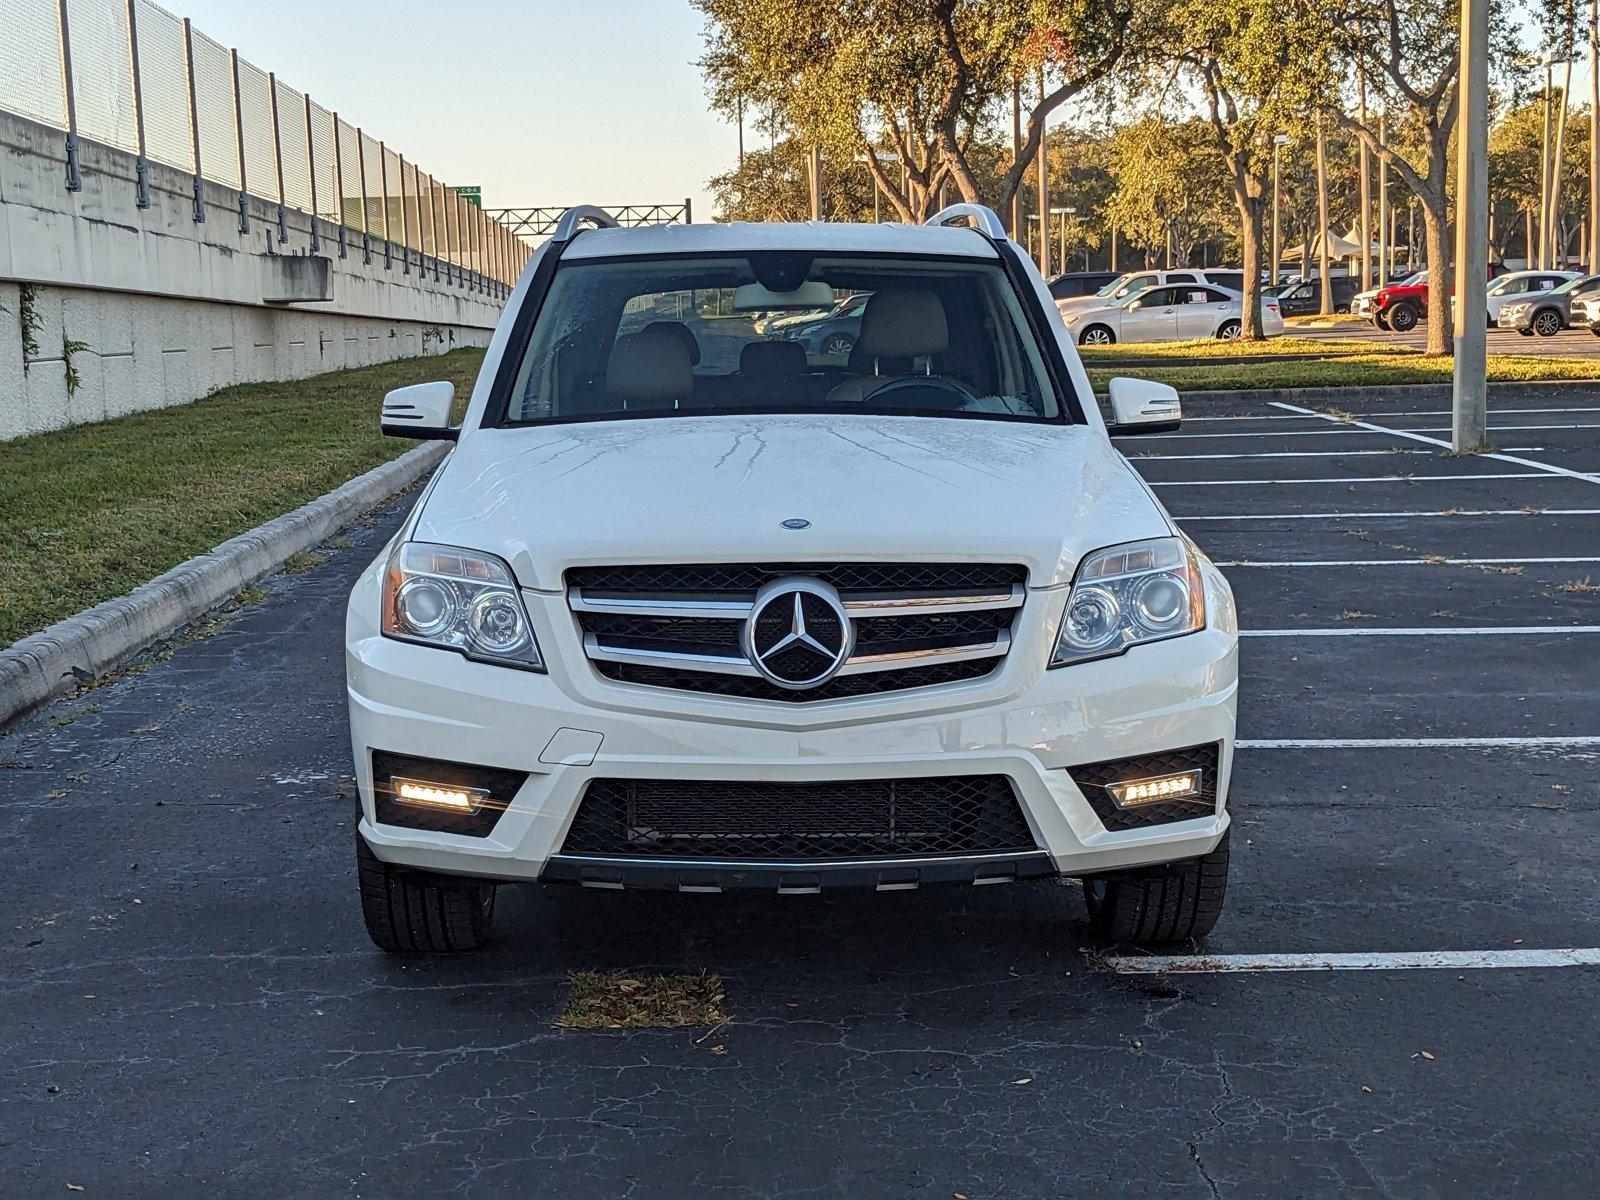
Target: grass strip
[91, 512]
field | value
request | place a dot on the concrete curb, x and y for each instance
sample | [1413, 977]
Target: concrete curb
[1576, 389]
[53, 661]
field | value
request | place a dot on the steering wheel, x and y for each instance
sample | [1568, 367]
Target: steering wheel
[900, 392]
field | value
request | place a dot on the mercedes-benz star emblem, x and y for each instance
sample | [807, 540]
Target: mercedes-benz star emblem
[798, 634]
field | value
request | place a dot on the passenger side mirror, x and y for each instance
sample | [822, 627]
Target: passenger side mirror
[1143, 406]
[420, 411]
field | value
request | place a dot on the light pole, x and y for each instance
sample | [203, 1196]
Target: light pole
[1556, 148]
[1279, 141]
[1044, 189]
[1469, 393]
[1594, 142]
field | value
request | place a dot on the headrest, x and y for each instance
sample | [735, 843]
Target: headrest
[904, 321]
[766, 360]
[649, 368]
[683, 333]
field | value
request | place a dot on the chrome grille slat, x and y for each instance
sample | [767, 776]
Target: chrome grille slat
[679, 626]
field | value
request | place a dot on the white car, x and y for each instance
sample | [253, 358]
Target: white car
[801, 626]
[1130, 282]
[1170, 313]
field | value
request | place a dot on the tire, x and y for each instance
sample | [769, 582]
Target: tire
[1525, 332]
[1229, 330]
[838, 343]
[1403, 317]
[1595, 329]
[1381, 321]
[1097, 335]
[420, 912]
[1546, 322]
[1154, 906]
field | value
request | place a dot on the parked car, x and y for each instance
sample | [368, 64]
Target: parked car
[833, 335]
[1171, 313]
[1301, 299]
[776, 323]
[1548, 313]
[1586, 314]
[577, 662]
[1514, 287]
[1127, 284]
[1079, 283]
[1397, 305]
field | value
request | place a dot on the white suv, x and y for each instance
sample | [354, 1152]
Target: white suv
[691, 609]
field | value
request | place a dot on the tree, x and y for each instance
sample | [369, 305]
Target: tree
[1258, 65]
[774, 185]
[929, 79]
[1170, 182]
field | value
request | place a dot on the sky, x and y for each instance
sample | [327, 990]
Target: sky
[540, 102]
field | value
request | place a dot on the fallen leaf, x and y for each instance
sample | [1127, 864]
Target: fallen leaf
[1425, 1055]
[74, 1187]
[1024, 1079]
[1366, 1089]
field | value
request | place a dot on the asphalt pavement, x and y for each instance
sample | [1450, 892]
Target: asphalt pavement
[189, 1004]
[1572, 343]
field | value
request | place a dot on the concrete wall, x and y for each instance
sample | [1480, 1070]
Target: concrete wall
[169, 309]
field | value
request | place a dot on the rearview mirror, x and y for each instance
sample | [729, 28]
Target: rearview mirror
[420, 411]
[753, 297]
[1143, 406]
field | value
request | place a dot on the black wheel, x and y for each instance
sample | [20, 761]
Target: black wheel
[1547, 322]
[1177, 902]
[838, 343]
[1381, 321]
[1525, 332]
[1228, 330]
[420, 912]
[1097, 335]
[1595, 329]
[1403, 317]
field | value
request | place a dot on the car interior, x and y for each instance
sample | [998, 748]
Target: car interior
[620, 339]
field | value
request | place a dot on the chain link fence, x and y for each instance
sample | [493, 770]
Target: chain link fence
[129, 74]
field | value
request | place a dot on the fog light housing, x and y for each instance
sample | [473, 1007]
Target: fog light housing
[1156, 789]
[433, 795]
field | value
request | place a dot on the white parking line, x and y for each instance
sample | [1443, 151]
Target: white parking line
[1417, 437]
[1143, 458]
[1344, 479]
[1425, 631]
[1366, 516]
[1413, 960]
[1434, 743]
[1397, 562]
[1443, 412]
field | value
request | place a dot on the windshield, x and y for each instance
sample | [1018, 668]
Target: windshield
[926, 337]
[1113, 285]
[1572, 285]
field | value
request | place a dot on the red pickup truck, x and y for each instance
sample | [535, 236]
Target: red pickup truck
[1399, 304]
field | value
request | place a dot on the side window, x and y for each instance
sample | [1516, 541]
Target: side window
[1299, 292]
[1216, 298]
[1157, 297]
[1180, 277]
[1134, 284]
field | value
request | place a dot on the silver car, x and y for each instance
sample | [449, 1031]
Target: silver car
[1548, 313]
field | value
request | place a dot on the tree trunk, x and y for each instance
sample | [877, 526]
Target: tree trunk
[1250, 235]
[1326, 284]
[1441, 278]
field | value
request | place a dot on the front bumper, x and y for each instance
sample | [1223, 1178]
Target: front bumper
[1511, 320]
[571, 727]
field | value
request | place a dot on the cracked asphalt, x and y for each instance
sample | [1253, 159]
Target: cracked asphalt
[189, 1005]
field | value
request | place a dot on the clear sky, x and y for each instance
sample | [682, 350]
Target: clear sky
[540, 102]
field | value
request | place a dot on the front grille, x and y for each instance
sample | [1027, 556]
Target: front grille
[680, 626]
[753, 821]
[1093, 781]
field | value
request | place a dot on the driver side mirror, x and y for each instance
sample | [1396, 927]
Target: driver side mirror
[420, 411]
[1143, 406]
[1135, 305]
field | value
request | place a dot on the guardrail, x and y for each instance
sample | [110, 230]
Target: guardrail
[129, 74]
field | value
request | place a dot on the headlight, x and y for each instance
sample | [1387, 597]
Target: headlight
[1137, 592]
[1516, 310]
[1070, 318]
[461, 600]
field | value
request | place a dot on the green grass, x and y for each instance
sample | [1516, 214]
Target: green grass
[91, 512]
[1311, 362]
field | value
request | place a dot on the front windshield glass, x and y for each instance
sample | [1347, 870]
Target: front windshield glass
[651, 338]
[1112, 286]
[1572, 285]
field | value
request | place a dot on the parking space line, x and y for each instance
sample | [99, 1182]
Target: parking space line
[1414, 436]
[1497, 412]
[1424, 631]
[1412, 960]
[1398, 562]
[1346, 479]
[1139, 458]
[1418, 743]
[1367, 516]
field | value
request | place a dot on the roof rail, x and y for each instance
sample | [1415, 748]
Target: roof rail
[579, 214]
[983, 217]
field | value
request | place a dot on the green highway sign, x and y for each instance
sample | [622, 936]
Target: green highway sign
[472, 195]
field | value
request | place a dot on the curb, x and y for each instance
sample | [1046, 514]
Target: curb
[49, 663]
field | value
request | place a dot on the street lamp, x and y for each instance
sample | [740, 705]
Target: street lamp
[1550, 161]
[883, 157]
[1279, 141]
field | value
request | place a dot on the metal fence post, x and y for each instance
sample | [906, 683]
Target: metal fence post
[194, 122]
[433, 227]
[405, 223]
[338, 183]
[142, 163]
[74, 169]
[311, 168]
[361, 162]
[383, 182]
[277, 156]
[688, 210]
[238, 138]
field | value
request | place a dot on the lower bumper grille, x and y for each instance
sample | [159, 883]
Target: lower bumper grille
[723, 820]
[1094, 781]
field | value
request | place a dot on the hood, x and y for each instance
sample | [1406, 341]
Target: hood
[717, 489]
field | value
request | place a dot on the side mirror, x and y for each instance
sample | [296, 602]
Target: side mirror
[1143, 406]
[420, 411]
[1135, 305]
